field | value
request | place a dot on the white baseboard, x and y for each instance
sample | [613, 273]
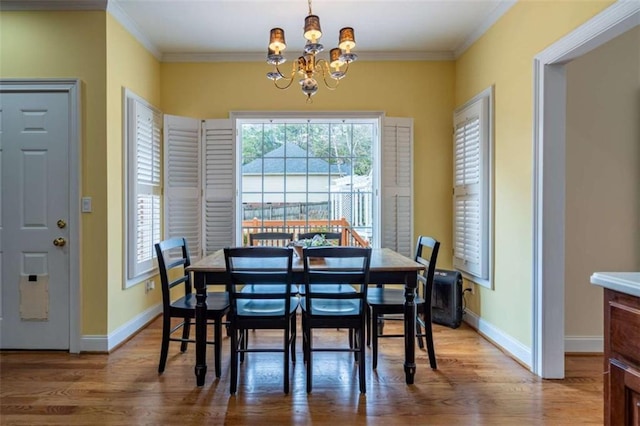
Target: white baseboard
[572, 344]
[588, 344]
[507, 343]
[102, 343]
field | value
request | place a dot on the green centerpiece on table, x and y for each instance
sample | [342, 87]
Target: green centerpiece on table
[318, 240]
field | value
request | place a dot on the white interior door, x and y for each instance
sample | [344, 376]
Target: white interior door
[34, 221]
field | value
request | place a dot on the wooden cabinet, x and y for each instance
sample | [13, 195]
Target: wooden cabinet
[622, 359]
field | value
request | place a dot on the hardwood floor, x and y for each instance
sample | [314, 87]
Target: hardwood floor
[475, 384]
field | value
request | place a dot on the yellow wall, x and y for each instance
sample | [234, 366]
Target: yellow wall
[72, 45]
[93, 47]
[129, 65]
[504, 57]
[422, 90]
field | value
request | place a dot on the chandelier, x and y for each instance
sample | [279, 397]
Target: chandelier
[309, 68]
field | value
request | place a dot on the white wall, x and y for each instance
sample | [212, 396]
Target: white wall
[602, 180]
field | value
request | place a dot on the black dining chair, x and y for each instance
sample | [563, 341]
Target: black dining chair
[273, 308]
[270, 239]
[335, 237]
[385, 301]
[173, 259]
[323, 308]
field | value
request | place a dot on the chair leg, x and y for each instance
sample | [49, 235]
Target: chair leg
[361, 361]
[164, 346]
[233, 380]
[304, 341]
[428, 331]
[309, 350]
[368, 320]
[287, 331]
[352, 343]
[374, 339]
[293, 338]
[419, 334]
[217, 349]
[244, 342]
[186, 328]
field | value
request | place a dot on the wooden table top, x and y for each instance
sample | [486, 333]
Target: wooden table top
[382, 260]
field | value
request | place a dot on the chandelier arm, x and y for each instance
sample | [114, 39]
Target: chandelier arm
[282, 74]
[289, 80]
[346, 68]
[322, 66]
[328, 85]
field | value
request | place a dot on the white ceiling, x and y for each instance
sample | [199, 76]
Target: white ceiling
[239, 29]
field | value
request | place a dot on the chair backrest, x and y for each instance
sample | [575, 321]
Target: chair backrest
[258, 266]
[336, 265]
[427, 254]
[273, 239]
[173, 259]
[331, 236]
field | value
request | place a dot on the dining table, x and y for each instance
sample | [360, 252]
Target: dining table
[387, 267]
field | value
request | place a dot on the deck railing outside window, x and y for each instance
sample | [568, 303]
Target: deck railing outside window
[350, 236]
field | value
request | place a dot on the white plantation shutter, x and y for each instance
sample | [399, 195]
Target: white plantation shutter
[182, 181]
[219, 184]
[144, 184]
[397, 184]
[471, 189]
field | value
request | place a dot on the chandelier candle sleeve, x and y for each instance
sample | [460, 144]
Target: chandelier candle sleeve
[309, 68]
[276, 40]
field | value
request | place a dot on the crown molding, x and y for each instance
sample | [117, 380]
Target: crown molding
[19, 5]
[260, 56]
[406, 56]
[493, 17]
[121, 16]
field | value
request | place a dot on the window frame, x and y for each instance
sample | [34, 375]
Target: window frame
[481, 107]
[238, 119]
[136, 272]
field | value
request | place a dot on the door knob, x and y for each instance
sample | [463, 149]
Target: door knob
[59, 242]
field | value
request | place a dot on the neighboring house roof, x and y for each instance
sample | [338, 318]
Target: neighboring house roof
[297, 162]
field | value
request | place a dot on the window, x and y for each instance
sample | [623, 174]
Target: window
[143, 186]
[370, 185]
[305, 175]
[472, 152]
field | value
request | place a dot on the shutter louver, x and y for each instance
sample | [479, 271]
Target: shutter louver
[219, 192]
[144, 202]
[182, 182]
[470, 195]
[397, 185]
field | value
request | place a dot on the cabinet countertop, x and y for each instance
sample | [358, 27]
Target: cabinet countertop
[623, 282]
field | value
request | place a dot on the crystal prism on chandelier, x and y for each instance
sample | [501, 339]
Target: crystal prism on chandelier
[307, 67]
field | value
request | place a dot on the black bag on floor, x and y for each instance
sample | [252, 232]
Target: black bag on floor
[446, 298]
